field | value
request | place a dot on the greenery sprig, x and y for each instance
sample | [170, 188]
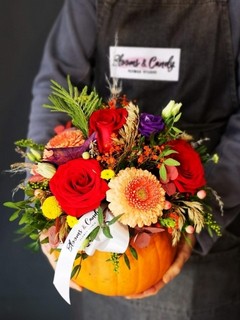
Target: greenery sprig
[77, 105]
[29, 143]
[30, 220]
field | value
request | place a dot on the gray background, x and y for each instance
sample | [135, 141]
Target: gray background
[26, 289]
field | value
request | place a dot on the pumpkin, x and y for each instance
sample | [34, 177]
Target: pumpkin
[97, 273]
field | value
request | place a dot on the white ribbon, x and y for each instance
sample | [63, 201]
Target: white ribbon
[75, 240]
[118, 243]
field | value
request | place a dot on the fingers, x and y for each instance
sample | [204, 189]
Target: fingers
[183, 254]
[74, 286]
[149, 292]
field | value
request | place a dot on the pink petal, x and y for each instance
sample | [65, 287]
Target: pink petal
[142, 240]
[172, 172]
[53, 237]
[170, 188]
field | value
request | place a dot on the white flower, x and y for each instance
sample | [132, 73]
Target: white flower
[171, 110]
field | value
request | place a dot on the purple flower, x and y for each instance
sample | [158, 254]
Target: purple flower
[150, 124]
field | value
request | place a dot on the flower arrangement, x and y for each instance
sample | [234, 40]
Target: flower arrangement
[132, 171]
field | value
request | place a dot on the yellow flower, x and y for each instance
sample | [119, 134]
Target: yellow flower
[215, 158]
[71, 221]
[138, 195]
[107, 174]
[51, 208]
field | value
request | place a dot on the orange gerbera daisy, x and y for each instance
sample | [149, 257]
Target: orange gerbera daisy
[138, 195]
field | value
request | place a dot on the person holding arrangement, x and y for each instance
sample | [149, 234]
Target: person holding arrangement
[160, 50]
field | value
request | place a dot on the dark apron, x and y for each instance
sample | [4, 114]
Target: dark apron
[208, 287]
[201, 29]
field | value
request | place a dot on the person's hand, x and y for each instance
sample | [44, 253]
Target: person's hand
[46, 249]
[184, 252]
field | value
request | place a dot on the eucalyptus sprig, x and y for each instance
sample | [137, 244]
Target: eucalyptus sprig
[30, 220]
[77, 105]
[166, 162]
[105, 225]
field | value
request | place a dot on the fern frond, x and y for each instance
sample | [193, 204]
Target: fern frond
[77, 105]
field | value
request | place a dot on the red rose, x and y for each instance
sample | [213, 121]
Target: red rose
[190, 172]
[78, 187]
[105, 122]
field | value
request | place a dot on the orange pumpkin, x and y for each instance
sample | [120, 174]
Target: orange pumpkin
[98, 275]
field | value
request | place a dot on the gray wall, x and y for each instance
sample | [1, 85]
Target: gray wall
[26, 290]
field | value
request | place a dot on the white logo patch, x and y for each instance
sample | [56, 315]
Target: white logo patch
[145, 63]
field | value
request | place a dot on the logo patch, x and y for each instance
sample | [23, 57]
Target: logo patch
[162, 64]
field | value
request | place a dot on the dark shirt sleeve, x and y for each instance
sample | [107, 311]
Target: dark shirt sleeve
[69, 50]
[225, 176]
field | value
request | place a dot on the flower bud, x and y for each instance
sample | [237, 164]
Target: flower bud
[38, 193]
[167, 205]
[84, 244]
[215, 158]
[36, 154]
[172, 109]
[31, 157]
[190, 229]
[176, 108]
[46, 170]
[86, 155]
[201, 194]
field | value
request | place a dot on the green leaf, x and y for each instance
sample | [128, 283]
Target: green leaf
[76, 270]
[15, 215]
[133, 252]
[34, 236]
[26, 230]
[106, 232]
[84, 255]
[100, 216]
[45, 240]
[114, 219]
[176, 130]
[178, 116]
[171, 162]
[78, 255]
[24, 219]
[163, 172]
[94, 233]
[12, 205]
[167, 152]
[126, 261]
[33, 246]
